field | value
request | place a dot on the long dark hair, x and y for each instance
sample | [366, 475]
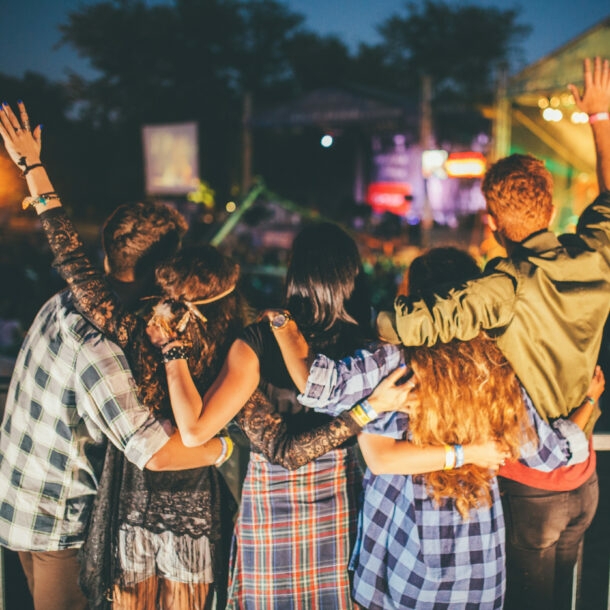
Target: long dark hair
[326, 290]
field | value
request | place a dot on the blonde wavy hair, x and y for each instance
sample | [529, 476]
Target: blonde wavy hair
[468, 392]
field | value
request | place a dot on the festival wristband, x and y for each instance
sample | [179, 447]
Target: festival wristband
[227, 449]
[599, 116]
[29, 202]
[459, 455]
[360, 415]
[450, 457]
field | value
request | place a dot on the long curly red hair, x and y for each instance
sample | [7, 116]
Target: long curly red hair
[469, 392]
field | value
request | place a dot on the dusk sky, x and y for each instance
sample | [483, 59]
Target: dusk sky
[29, 28]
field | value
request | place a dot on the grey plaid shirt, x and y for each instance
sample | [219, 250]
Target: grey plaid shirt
[71, 390]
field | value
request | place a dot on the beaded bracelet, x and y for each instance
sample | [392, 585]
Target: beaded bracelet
[42, 199]
[178, 352]
[227, 449]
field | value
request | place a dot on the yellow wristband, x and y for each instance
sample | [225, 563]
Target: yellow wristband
[360, 415]
[227, 450]
[450, 457]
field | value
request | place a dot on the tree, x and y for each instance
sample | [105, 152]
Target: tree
[190, 60]
[459, 47]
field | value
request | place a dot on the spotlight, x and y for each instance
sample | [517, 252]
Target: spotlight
[327, 140]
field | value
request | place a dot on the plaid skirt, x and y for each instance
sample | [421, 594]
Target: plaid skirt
[294, 535]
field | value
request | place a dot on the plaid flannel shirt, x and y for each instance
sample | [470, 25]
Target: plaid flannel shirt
[411, 553]
[71, 390]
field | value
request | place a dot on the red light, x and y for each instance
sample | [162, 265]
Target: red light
[394, 197]
[465, 165]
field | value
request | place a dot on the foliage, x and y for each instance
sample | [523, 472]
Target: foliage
[196, 60]
[458, 46]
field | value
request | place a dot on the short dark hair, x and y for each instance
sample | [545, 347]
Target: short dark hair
[518, 191]
[140, 235]
[438, 267]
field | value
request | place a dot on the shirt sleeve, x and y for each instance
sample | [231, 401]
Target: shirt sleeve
[336, 385]
[560, 443]
[594, 224]
[92, 294]
[109, 400]
[282, 444]
[458, 313]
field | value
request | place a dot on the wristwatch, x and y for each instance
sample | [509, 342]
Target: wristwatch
[279, 320]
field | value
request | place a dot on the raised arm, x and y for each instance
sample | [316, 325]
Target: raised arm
[93, 297]
[595, 101]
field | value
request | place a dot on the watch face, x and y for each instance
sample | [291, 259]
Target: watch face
[279, 320]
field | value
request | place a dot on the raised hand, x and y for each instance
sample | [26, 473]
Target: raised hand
[596, 93]
[22, 144]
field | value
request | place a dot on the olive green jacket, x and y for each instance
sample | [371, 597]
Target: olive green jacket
[547, 304]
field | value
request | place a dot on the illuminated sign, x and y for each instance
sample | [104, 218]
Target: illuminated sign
[394, 197]
[465, 165]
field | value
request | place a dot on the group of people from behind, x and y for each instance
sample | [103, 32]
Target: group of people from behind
[477, 375]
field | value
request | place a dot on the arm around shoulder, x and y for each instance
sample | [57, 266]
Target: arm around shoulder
[459, 313]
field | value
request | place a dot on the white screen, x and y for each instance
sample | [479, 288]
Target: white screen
[171, 158]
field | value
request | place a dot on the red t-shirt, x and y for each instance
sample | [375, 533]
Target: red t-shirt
[565, 478]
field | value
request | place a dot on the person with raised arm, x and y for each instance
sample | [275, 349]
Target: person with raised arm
[546, 303]
[436, 538]
[72, 398]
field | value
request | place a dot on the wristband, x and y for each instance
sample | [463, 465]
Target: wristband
[590, 399]
[42, 199]
[174, 343]
[450, 457]
[370, 412]
[360, 415]
[227, 450]
[34, 165]
[459, 455]
[599, 116]
[179, 352]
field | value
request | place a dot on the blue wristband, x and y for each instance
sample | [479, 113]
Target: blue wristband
[459, 455]
[366, 407]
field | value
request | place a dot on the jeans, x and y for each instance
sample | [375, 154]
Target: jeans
[544, 532]
[53, 579]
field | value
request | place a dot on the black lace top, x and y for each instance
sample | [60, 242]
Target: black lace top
[190, 502]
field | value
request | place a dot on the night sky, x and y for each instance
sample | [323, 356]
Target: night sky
[29, 28]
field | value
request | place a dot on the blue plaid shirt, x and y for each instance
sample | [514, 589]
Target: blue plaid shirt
[71, 390]
[411, 553]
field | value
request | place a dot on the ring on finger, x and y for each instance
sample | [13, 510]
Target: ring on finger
[26, 125]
